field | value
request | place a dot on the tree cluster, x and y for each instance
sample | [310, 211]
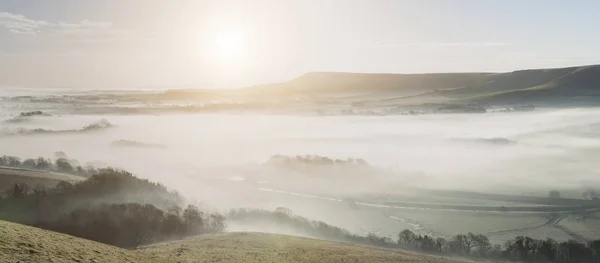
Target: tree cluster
[60, 165]
[112, 207]
[131, 224]
[518, 249]
[313, 160]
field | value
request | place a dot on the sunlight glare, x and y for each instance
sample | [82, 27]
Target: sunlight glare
[229, 45]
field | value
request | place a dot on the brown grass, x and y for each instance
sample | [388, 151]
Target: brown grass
[261, 247]
[19, 243]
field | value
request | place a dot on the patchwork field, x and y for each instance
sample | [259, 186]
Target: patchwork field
[587, 227]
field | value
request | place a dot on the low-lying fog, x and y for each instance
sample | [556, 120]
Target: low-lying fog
[218, 159]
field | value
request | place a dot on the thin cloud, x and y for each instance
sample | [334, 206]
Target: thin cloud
[443, 45]
[19, 24]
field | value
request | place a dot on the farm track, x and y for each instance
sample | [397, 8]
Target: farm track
[416, 225]
[554, 220]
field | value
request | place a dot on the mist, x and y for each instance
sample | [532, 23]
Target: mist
[222, 160]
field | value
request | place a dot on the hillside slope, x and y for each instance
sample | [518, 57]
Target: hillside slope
[536, 85]
[577, 83]
[19, 243]
[261, 247]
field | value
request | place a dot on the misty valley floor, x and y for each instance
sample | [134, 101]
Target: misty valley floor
[220, 160]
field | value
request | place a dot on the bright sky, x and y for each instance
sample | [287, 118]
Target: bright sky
[223, 44]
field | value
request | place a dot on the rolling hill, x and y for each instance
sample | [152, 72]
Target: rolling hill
[560, 85]
[21, 243]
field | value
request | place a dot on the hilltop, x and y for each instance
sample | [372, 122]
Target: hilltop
[559, 85]
[429, 92]
[21, 243]
[327, 93]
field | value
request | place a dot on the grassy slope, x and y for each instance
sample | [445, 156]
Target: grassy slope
[19, 243]
[558, 85]
[523, 86]
[362, 83]
[261, 247]
[576, 82]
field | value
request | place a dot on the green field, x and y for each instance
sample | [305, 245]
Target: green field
[10, 176]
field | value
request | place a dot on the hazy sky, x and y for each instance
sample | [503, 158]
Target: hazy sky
[204, 44]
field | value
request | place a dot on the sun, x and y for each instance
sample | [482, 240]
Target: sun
[229, 45]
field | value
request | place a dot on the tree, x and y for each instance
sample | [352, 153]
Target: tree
[406, 237]
[481, 244]
[460, 244]
[284, 211]
[440, 242]
[520, 247]
[194, 220]
[554, 194]
[29, 163]
[64, 166]
[63, 187]
[18, 191]
[589, 194]
[546, 249]
[425, 243]
[595, 250]
[43, 164]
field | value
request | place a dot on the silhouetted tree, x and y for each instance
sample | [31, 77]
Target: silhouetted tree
[481, 244]
[18, 191]
[554, 194]
[406, 237]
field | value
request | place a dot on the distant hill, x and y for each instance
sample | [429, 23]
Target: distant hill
[21, 243]
[560, 85]
[338, 82]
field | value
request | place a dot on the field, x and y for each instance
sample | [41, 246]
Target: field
[447, 223]
[27, 244]
[11, 176]
[588, 227]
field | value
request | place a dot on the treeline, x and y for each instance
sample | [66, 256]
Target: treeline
[284, 218]
[96, 126]
[130, 225]
[471, 245]
[62, 164]
[313, 160]
[112, 207]
[520, 248]
[24, 116]
[32, 113]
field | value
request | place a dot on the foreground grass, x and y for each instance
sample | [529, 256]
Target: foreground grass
[261, 247]
[19, 243]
